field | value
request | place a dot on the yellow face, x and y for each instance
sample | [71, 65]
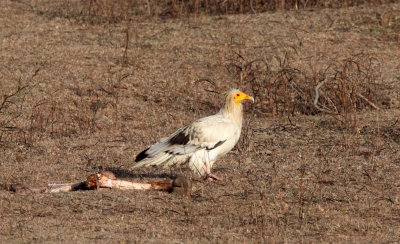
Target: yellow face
[239, 97]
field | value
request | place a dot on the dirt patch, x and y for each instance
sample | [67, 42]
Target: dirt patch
[90, 97]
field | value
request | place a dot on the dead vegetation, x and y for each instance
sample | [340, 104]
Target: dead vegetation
[112, 11]
[318, 160]
[341, 89]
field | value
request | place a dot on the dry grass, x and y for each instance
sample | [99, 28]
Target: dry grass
[77, 98]
[115, 11]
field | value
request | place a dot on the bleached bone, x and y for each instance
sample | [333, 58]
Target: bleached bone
[107, 180]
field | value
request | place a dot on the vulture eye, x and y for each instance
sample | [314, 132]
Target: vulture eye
[237, 94]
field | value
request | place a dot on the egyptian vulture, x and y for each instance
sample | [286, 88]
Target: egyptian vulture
[202, 142]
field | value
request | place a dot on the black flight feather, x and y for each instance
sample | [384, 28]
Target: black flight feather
[179, 139]
[142, 155]
[216, 145]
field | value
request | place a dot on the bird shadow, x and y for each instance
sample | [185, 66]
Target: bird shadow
[123, 173]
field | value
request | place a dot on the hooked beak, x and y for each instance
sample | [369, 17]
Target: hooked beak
[250, 98]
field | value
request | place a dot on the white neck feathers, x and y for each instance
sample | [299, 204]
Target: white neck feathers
[230, 109]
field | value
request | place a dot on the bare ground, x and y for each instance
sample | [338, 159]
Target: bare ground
[93, 98]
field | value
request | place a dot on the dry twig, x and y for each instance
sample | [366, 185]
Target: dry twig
[368, 101]
[317, 97]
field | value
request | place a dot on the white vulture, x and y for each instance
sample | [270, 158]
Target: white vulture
[202, 142]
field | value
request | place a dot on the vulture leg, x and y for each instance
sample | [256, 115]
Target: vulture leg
[210, 176]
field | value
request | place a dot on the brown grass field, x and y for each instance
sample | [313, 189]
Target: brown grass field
[82, 92]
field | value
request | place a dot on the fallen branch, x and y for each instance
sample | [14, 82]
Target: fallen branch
[107, 180]
[368, 101]
[317, 97]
